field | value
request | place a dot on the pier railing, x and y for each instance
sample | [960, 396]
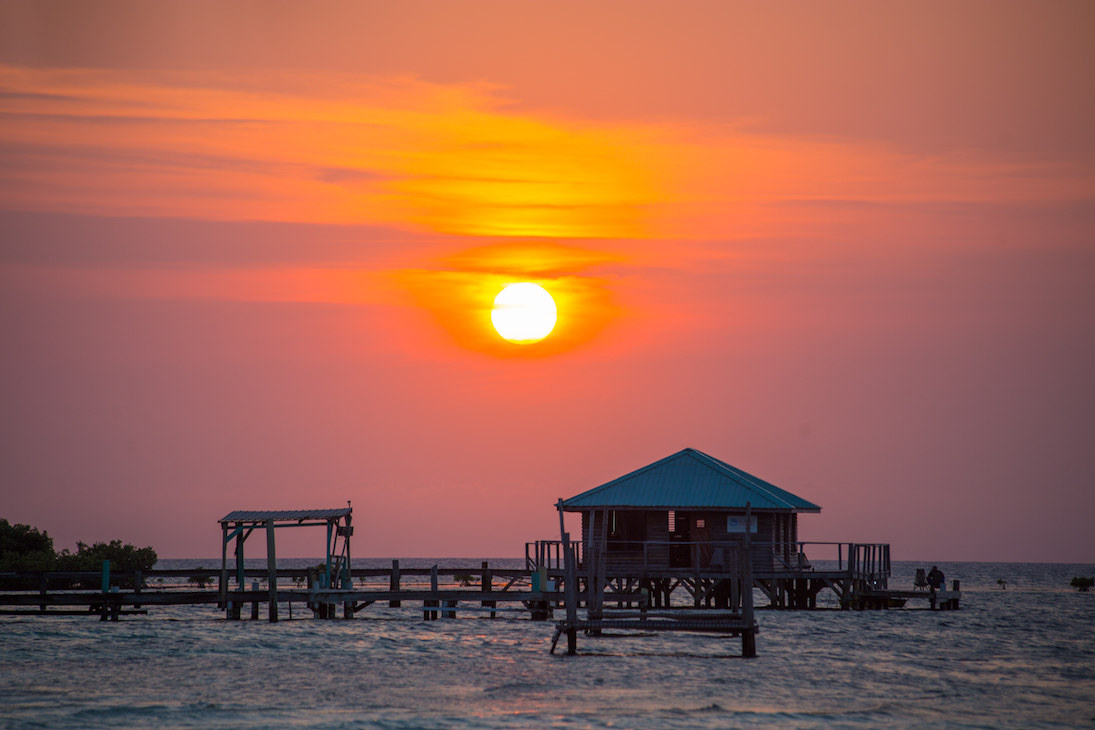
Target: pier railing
[549, 554]
[867, 562]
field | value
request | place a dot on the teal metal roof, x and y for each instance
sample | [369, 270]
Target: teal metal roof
[689, 479]
[285, 514]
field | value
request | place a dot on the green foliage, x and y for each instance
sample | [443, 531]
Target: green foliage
[1082, 584]
[201, 580]
[23, 547]
[123, 558]
[465, 579]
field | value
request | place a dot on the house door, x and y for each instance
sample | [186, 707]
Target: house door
[680, 535]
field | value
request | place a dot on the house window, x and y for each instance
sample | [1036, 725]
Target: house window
[672, 522]
[700, 524]
[626, 530]
[736, 523]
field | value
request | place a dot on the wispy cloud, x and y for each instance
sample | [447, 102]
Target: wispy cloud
[445, 158]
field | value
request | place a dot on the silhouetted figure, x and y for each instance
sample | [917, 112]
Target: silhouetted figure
[936, 579]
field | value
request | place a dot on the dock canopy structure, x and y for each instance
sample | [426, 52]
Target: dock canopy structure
[683, 511]
[239, 525]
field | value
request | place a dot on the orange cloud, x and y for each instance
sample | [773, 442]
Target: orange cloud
[402, 152]
[310, 285]
[443, 158]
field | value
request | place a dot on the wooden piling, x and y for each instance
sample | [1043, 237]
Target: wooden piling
[486, 584]
[222, 587]
[748, 635]
[272, 570]
[571, 592]
[427, 614]
[138, 579]
[393, 584]
[241, 579]
[104, 611]
[346, 531]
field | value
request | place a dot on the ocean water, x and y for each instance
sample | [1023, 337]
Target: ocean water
[1021, 657]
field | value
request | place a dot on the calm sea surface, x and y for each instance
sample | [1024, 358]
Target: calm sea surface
[1020, 657]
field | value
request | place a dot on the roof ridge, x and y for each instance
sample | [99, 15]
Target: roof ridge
[636, 472]
[754, 482]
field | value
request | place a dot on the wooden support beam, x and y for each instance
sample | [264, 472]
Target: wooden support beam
[223, 588]
[393, 584]
[748, 636]
[272, 570]
[486, 584]
[430, 615]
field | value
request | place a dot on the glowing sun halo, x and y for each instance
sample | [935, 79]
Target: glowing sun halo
[524, 313]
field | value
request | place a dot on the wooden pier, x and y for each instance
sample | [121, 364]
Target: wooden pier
[631, 556]
[858, 575]
[441, 591]
[937, 600]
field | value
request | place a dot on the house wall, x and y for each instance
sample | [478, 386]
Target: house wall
[777, 531]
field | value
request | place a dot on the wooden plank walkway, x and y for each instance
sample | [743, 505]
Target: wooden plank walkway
[212, 597]
[496, 586]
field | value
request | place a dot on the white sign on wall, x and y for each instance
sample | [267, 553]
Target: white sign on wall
[736, 523]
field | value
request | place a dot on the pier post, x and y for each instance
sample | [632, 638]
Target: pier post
[429, 603]
[104, 613]
[222, 587]
[272, 570]
[487, 585]
[348, 582]
[434, 587]
[255, 604]
[313, 581]
[241, 579]
[571, 588]
[393, 584]
[748, 635]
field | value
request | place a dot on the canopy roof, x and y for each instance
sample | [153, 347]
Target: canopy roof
[689, 479]
[244, 515]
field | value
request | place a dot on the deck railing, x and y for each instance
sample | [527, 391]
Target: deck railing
[549, 554]
[861, 561]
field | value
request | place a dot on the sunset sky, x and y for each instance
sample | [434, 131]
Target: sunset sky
[248, 253]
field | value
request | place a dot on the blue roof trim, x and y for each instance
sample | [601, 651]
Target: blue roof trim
[690, 479]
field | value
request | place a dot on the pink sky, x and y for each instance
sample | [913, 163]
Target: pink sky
[248, 251]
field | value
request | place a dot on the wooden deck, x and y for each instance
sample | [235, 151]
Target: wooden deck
[442, 592]
[859, 581]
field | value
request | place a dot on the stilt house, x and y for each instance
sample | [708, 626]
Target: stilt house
[686, 512]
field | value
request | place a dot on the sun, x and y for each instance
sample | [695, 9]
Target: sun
[524, 313]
